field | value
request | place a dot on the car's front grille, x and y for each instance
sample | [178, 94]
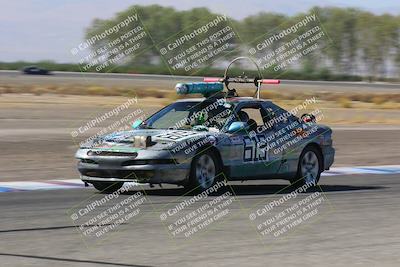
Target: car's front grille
[148, 162]
[112, 153]
[88, 161]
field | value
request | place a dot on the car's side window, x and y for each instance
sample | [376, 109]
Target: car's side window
[277, 116]
[252, 115]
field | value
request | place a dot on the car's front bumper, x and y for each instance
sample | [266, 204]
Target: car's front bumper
[147, 167]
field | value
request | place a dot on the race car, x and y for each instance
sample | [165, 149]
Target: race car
[197, 142]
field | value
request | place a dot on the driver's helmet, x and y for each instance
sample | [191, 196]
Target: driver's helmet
[243, 116]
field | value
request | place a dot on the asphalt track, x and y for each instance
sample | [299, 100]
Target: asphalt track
[358, 224]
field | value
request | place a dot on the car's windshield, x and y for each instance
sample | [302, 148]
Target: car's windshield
[191, 114]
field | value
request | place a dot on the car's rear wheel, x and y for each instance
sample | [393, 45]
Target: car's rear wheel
[309, 168]
[205, 171]
[107, 187]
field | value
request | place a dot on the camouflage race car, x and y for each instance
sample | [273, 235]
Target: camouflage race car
[198, 141]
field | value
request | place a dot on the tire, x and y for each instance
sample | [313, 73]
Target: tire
[107, 187]
[204, 172]
[309, 168]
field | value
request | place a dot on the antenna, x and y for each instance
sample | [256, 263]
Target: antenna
[257, 81]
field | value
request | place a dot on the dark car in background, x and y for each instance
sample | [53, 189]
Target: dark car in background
[35, 70]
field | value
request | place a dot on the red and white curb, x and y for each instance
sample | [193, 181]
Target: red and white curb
[77, 183]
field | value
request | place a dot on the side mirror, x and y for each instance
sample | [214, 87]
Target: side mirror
[136, 124]
[236, 126]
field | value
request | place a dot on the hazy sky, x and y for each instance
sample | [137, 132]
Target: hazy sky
[47, 29]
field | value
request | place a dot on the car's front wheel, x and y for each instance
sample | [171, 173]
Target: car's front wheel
[309, 168]
[204, 172]
[107, 187]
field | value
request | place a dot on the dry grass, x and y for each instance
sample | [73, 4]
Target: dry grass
[343, 100]
[333, 113]
[366, 106]
[379, 100]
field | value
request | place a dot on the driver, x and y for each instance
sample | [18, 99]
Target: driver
[243, 116]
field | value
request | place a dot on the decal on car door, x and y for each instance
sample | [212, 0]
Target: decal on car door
[253, 151]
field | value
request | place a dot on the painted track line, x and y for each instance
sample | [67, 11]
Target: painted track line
[40, 185]
[383, 169]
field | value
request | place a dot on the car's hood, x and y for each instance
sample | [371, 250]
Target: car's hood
[157, 135]
[160, 139]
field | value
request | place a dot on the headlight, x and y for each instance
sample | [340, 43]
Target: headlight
[91, 142]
